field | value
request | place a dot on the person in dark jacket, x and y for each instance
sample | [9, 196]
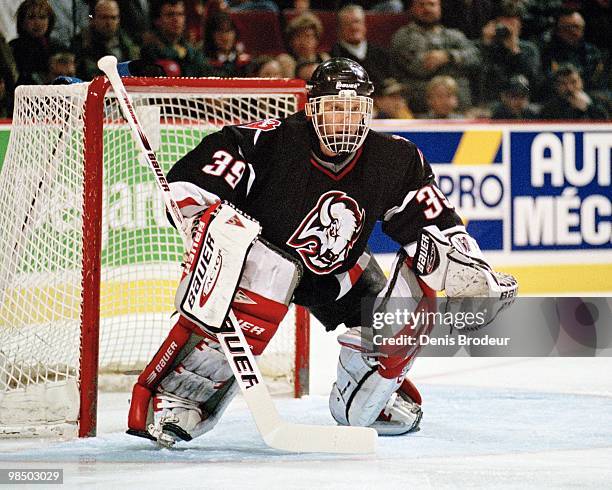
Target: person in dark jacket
[570, 101]
[102, 37]
[567, 45]
[353, 44]
[33, 46]
[504, 54]
[514, 101]
[223, 51]
[166, 44]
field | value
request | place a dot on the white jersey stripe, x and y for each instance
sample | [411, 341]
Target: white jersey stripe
[251, 178]
[398, 209]
[182, 191]
[344, 278]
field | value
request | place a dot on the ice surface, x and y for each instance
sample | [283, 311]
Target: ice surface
[504, 423]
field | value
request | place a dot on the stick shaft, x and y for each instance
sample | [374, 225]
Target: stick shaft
[108, 64]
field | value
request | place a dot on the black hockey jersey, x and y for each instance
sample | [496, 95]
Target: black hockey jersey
[321, 216]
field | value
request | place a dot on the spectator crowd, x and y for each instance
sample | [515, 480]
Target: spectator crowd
[432, 59]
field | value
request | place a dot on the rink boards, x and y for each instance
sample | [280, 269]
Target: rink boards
[536, 197]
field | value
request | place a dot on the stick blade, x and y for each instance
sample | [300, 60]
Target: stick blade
[322, 439]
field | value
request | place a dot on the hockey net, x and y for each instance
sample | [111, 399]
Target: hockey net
[88, 262]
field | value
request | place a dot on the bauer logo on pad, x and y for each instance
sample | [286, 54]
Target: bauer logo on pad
[210, 281]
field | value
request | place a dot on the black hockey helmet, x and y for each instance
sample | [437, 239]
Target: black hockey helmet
[338, 74]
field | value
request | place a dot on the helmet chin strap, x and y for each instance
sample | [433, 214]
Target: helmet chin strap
[326, 151]
[329, 153]
[334, 160]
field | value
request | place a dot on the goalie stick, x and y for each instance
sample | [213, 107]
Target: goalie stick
[276, 432]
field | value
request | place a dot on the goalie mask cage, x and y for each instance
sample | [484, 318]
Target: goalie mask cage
[88, 261]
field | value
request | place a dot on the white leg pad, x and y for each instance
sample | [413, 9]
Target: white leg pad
[176, 418]
[203, 371]
[191, 399]
[360, 393]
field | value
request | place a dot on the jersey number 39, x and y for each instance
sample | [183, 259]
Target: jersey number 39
[224, 165]
[434, 199]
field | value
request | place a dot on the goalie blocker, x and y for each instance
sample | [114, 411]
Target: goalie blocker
[184, 390]
[452, 261]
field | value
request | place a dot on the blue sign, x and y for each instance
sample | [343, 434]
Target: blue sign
[560, 190]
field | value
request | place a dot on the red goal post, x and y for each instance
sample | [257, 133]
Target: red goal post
[69, 312]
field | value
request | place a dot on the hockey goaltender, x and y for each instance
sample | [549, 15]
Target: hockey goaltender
[317, 182]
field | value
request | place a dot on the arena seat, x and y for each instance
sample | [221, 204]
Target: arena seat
[259, 31]
[382, 26]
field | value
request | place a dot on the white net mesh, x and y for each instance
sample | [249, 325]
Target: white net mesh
[41, 239]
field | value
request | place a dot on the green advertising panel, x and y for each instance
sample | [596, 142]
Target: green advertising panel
[135, 227]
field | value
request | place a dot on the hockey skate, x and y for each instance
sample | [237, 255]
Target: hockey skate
[168, 418]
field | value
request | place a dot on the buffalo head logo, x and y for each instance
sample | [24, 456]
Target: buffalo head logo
[327, 234]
